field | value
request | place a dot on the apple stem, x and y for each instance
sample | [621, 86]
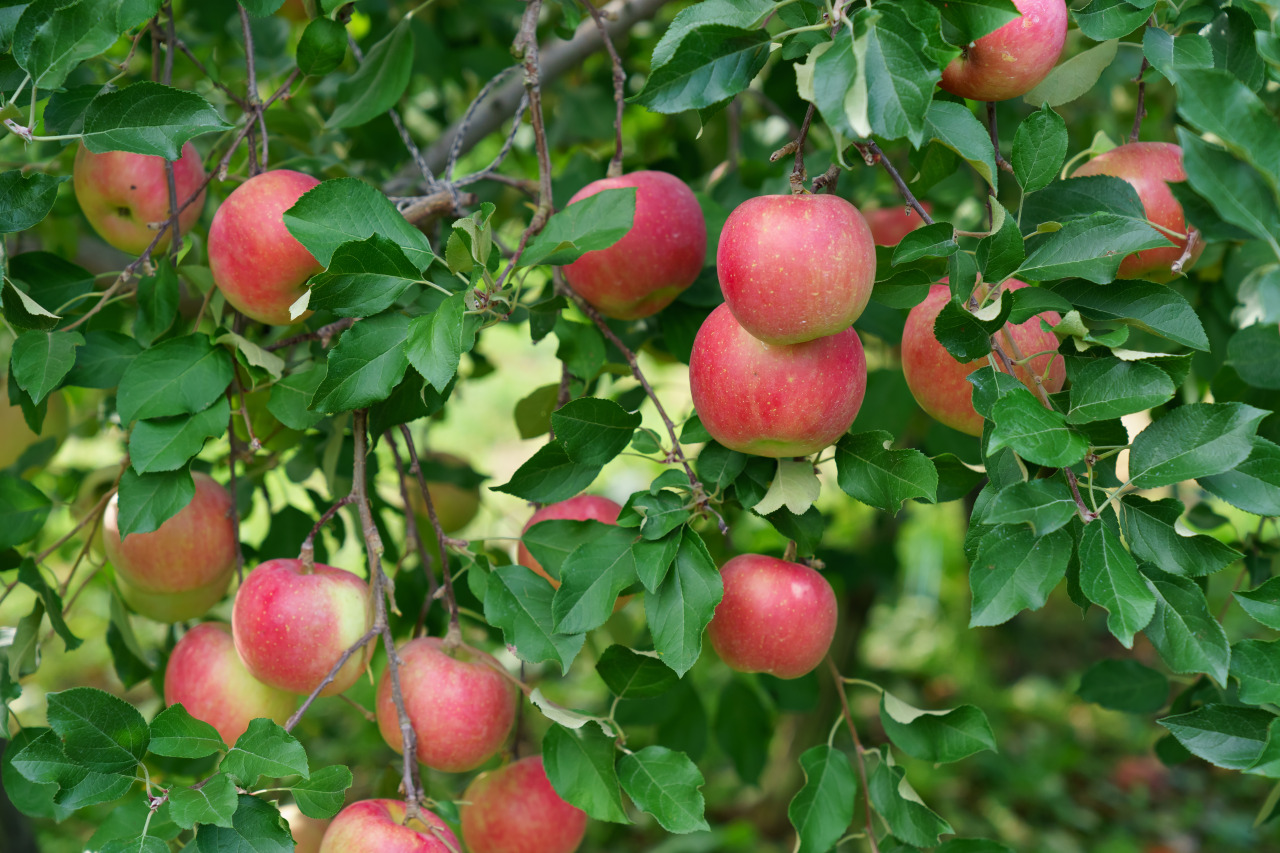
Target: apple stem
[1193, 238]
[307, 554]
[798, 173]
[453, 636]
[790, 553]
[619, 87]
[411, 526]
[995, 138]
[857, 749]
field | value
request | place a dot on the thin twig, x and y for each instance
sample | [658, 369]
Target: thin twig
[234, 444]
[872, 155]
[411, 527]
[619, 87]
[333, 673]
[454, 634]
[324, 334]
[857, 750]
[798, 174]
[1193, 238]
[307, 554]
[995, 137]
[526, 48]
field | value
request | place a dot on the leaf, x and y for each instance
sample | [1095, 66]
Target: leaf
[30, 577]
[932, 241]
[868, 470]
[591, 577]
[1256, 665]
[744, 14]
[1078, 198]
[679, 610]
[366, 364]
[634, 675]
[1033, 432]
[900, 83]
[1193, 441]
[665, 784]
[596, 222]
[1188, 637]
[343, 210]
[51, 38]
[364, 278]
[717, 466]
[101, 362]
[1039, 148]
[795, 486]
[1214, 101]
[594, 430]
[1154, 308]
[549, 476]
[322, 47]
[1235, 190]
[103, 732]
[1109, 19]
[1014, 570]
[1252, 485]
[654, 557]
[907, 817]
[833, 79]
[321, 796]
[26, 199]
[181, 376]
[1254, 352]
[1107, 388]
[265, 749]
[1124, 685]
[710, 64]
[1168, 54]
[1074, 77]
[518, 602]
[973, 19]
[149, 500]
[212, 803]
[1223, 735]
[24, 509]
[148, 118]
[256, 827]
[1109, 578]
[168, 444]
[1149, 528]
[953, 126]
[823, 808]
[1045, 505]
[177, 734]
[1090, 248]
[291, 396]
[1262, 603]
[380, 80]
[938, 736]
[580, 768]
[1001, 253]
[744, 728]
[553, 540]
[437, 340]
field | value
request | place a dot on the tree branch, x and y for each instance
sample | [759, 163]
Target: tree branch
[454, 635]
[411, 527]
[995, 137]
[619, 87]
[857, 749]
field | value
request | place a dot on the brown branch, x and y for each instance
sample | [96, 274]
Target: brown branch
[324, 334]
[454, 635]
[828, 179]
[307, 554]
[526, 49]
[872, 155]
[419, 209]
[1140, 111]
[411, 527]
[619, 87]
[995, 137]
[798, 174]
[333, 673]
[204, 71]
[857, 749]
[233, 444]
[455, 150]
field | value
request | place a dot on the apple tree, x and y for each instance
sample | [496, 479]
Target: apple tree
[745, 309]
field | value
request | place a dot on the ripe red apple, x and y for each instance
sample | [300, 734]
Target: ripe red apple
[1012, 60]
[180, 570]
[307, 832]
[890, 224]
[580, 508]
[122, 194]
[292, 625]
[514, 809]
[940, 383]
[1149, 167]
[658, 258]
[775, 617]
[775, 400]
[378, 826]
[16, 436]
[256, 263]
[205, 674]
[461, 706]
[796, 267]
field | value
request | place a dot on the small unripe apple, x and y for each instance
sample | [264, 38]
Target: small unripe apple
[658, 258]
[205, 675]
[1012, 60]
[307, 832]
[775, 400]
[940, 383]
[378, 826]
[181, 569]
[456, 504]
[776, 617]
[579, 508]
[1150, 167]
[291, 625]
[256, 263]
[514, 809]
[796, 267]
[890, 224]
[123, 194]
[16, 436]
[460, 704]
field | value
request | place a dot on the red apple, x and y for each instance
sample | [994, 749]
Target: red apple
[460, 705]
[307, 832]
[940, 383]
[775, 617]
[775, 400]
[123, 194]
[292, 625]
[514, 809]
[256, 263]
[180, 570]
[1012, 60]
[206, 676]
[1149, 167]
[378, 826]
[796, 267]
[658, 258]
[890, 224]
[580, 508]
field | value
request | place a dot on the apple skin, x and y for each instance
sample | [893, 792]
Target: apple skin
[461, 707]
[1149, 167]
[180, 570]
[121, 193]
[307, 832]
[514, 809]
[940, 383]
[890, 224]
[796, 267]
[16, 436]
[579, 508]
[206, 676]
[291, 625]
[377, 826]
[658, 258]
[256, 263]
[788, 400]
[776, 616]
[1012, 60]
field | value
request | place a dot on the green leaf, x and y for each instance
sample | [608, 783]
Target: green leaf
[551, 541]
[655, 513]
[1039, 148]
[744, 728]
[24, 509]
[1107, 388]
[549, 476]
[261, 8]
[679, 610]
[1231, 37]
[1074, 77]
[518, 602]
[379, 82]
[1081, 197]
[177, 734]
[437, 340]
[1254, 352]
[581, 347]
[105, 733]
[973, 19]
[973, 845]
[52, 37]
[1149, 528]
[795, 486]
[1091, 248]
[149, 500]
[43, 761]
[1035, 433]
[1252, 485]
[710, 64]
[256, 827]
[1214, 101]
[1109, 19]
[868, 470]
[168, 444]
[101, 362]
[1002, 252]
[29, 576]
[594, 223]
[148, 118]
[634, 675]
[1223, 735]
[833, 79]
[1109, 578]
[1262, 603]
[900, 83]
[938, 736]
[591, 578]
[1154, 308]
[291, 397]
[580, 767]
[29, 795]
[1188, 637]
[365, 365]
[265, 749]
[322, 47]
[1235, 190]
[594, 430]
[744, 14]
[181, 376]
[158, 297]
[1193, 441]
[1015, 570]
[654, 557]
[1124, 685]
[1045, 505]
[212, 803]
[900, 806]
[364, 278]
[322, 795]
[25, 199]
[343, 210]
[665, 784]
[823, 808]
[717, 466]
[953, 126]
[1256, 665]
[1168, 54]
[932, 241]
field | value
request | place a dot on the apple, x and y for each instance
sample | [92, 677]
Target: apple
[658, 258]
[256, 263]
[580, 508]
[205, 675]
[796, 267]
[460, 704]
[124, 194]
[291, 625]
[182, 569]
[307, 832]
[514, 809]
[940, 383]
[775, 400]
[1012, 60]
[379, 826]
[890, 224]
[776, 616]
[1149, 167]
[16, 437]
[455, 494]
